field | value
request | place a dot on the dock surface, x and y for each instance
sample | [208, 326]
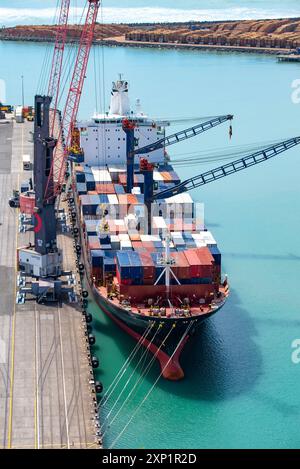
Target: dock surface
[45, 397]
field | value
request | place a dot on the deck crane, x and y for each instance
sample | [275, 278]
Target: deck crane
[44, 261]
[220, 172]
[57, 60]
[129, 126]
[229, 168]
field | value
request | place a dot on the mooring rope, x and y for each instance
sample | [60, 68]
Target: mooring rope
[123, 369]
[151, 389]
[139, 381]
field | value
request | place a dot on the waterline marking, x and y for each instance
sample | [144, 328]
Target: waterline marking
[295, 357]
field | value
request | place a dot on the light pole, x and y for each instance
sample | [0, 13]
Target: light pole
[22, 78]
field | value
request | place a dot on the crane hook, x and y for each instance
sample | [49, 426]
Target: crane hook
[230, 132]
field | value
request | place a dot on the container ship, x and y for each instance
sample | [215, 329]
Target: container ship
[155, 271]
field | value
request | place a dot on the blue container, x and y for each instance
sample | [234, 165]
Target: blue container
[103, 199]
[80, 177]
[216, 254]
[104, 239]
[123, 264]
[136, 265]
[97, 258]
[109, 265]
[119, 189]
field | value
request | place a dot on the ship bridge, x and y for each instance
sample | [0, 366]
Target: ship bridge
[103, 139]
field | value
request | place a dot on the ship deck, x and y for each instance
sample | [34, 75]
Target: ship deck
[170, 312]
[45, 397]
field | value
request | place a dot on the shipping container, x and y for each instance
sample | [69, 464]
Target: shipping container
[105, 188]
[119, 189]
[97, 258]
[216, 254]
[109, 266]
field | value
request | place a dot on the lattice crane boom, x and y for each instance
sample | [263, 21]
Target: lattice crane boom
[57, 60]
[69, 116]
[183, 135]
[229, 168]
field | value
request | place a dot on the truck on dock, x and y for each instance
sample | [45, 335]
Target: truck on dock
[19, 115]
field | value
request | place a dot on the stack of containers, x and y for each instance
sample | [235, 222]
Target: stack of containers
[148, 268]
[129, 268]
[96, 260]
[201, 265]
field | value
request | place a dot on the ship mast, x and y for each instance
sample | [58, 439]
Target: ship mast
[167, 261]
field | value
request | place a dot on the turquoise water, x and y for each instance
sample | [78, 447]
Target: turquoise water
[241, 388]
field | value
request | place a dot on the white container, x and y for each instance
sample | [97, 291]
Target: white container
[126, 245]
[101, 175]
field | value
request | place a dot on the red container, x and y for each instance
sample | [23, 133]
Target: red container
[27, 204]
[196, 270]
[148, 265]
[97, 272]
[94, 246]
[105, 188]
[137, 245]
[206, 261]
[123, 179]
[182, 267]
[148, 245]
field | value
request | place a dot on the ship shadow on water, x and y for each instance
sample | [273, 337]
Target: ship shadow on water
[222, 360]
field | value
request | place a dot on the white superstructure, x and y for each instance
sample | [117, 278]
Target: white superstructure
[103, 139]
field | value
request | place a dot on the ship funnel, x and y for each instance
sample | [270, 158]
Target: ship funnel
[119, 103]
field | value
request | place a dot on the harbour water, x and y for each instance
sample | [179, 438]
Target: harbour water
[241, 388]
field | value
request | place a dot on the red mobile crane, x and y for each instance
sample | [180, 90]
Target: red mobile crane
[58, 167]
[44, 261]
[57, 60]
